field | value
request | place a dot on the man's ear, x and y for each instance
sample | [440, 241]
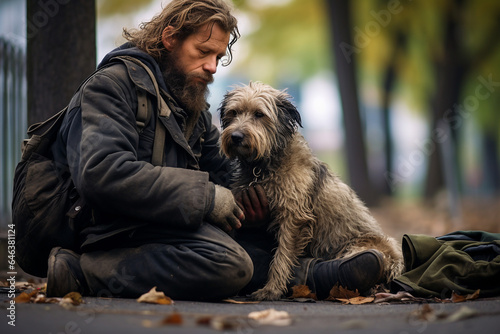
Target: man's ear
[168, 39]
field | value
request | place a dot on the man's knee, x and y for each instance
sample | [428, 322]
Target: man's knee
[236, 272]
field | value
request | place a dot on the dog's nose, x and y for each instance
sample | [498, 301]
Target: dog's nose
[237, 137]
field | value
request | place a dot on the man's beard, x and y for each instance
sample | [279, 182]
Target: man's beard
[190, 93]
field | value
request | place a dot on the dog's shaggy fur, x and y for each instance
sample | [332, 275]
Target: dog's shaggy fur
[314, 213]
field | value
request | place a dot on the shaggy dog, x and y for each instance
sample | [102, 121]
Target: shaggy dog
[313, 212]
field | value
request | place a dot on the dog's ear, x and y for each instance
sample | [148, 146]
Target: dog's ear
[222, 108]
[289, 110]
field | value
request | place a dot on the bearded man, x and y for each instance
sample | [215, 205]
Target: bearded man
[166, 225]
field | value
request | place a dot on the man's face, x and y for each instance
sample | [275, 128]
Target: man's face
[191, 64]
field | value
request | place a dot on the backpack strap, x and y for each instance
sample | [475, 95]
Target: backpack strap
[143, 115]
[163, 110]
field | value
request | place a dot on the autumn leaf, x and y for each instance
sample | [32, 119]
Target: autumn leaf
[456, 298]
[339, 292]
[232, 301]
[271, 317]
[425, 313]
[74, 298]
[401, 296]
[173, 319]
[155, 297]
[23, 297]
[360, 300]
[302, 291]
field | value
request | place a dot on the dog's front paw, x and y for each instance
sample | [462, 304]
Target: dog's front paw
[266, 294]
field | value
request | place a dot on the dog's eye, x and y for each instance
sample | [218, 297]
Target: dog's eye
[258, 114]
[231, 113]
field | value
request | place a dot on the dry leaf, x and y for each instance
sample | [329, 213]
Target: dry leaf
[361, 300]
[204, 320]
[173, 319]
[271, 317]
[232, 301]
[42, 299]
[456, 298]
[462, 313]
[401, 296]
[225, 323]
[339, 292]
[147, 323]
[155, 297]
[302, 291]
[23, 297]
[425, 313]
[74, 298]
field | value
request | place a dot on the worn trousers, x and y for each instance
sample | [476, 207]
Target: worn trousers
[205, 264]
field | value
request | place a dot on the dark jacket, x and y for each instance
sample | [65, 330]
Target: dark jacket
[110, 159]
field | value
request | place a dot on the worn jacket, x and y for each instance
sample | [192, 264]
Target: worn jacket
[109, 157]
[462, 262]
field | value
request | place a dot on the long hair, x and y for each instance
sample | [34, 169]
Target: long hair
[186, 17]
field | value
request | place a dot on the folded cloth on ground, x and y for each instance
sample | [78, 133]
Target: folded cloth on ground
[462, 262]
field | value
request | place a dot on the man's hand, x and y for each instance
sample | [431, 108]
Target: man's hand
[255, 205]
[225, 214]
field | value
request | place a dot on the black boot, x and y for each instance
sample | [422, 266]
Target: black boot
[64, 273]
[358, 272]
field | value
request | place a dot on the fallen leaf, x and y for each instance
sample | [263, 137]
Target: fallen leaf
[462, 313]
[361, 300]
[74, 298]
[173, 319]
[232, 301]
[42, 299]
[302, 291]
[222, 323]
[401, 296]
[456, 298]
[155, 297]
[23, 297]
[147, 323]
[271, 317]
[204, 320]
[424, 313]
[339, 292]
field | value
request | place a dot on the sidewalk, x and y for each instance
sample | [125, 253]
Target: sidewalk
[101, 315]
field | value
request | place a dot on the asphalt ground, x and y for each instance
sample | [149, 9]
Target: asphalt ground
[106, 315]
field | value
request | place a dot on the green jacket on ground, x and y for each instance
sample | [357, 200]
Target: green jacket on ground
[462, 262]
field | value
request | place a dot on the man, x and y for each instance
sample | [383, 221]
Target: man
[162, 226]
[154, 226]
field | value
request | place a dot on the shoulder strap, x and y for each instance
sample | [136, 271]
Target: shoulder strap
[163, 110]
[142, 116]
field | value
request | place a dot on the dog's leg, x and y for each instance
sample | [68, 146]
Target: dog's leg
[291, 244]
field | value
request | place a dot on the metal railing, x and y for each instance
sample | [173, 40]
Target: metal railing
[13, 118]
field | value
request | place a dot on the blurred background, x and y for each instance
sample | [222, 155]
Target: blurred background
[400, 98]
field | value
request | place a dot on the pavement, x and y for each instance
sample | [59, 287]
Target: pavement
[114, 315]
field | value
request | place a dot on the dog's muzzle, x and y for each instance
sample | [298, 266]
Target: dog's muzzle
[237, 138]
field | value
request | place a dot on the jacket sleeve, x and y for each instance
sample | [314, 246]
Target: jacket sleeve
[107, 172]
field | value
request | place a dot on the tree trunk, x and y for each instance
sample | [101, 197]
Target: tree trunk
[61, 53]
[344, 49]
[450, 70]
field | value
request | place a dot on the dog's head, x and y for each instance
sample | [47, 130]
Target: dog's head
[257, 120]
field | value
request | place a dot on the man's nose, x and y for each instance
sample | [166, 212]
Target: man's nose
[210, 65]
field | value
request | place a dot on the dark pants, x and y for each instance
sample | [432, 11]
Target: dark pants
[206, 264]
